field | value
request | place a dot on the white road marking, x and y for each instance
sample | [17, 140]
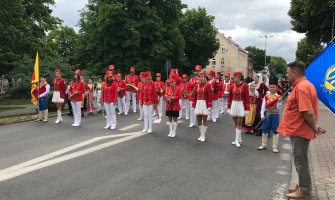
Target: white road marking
[43, 161]
[286, 146]
[285, 156]
[278, 192]
[287, 138]
[128, 127]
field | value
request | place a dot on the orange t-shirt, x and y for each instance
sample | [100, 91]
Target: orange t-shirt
[302, 98]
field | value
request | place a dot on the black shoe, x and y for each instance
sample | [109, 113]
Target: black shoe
[70, 114]
[258, 133]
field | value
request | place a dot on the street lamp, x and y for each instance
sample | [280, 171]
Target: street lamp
[266, 38]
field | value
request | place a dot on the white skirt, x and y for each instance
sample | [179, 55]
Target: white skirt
[237, 109]
[56, 98]
[201, 108]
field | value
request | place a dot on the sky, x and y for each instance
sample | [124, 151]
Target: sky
[246, 21]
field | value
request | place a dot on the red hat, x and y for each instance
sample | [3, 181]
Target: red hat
[118, 75]
[217, 76]
[184, 76]
[212, 73]
[158, 74]
[78, 72]
[202, 74]
[171, 80]
[58, 71]
[141, 74]
[227, 74]
[149, 75]
[173, 72]
[238, 74]
[109, 73]
[111, 67]
[132, 69]
[198, 67]
[144, 74]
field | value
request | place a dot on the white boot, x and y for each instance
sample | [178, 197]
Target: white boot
[203, 134]
[200, 130]
[39, 116]
[59, 117]
[275, 138]
[45, 115]
[237, 138]
[264, 141]
[170, 129]
[174, 129]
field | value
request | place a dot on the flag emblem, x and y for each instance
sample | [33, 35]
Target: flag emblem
[329, 80]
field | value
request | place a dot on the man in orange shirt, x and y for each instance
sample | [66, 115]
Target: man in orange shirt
[300, 124]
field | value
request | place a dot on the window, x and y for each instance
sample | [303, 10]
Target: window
[213, 61]
[223, 49]
[222, 62]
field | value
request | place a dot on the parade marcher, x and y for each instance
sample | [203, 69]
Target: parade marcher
[121, 100]
[300, 123]
[215, 87]
[58, 94]
[249, 120]
[172, 95]
[111, 68]
[76, 91]
[160, 87]
[132, 83]
[149, 101]
[98, 90]
[68, 101]
[238, 104]
[261, 89]
[43, 99]
[184, 102]
[91, 88]
[266, 80]
[202, 104]
[84, 102]
[225, 86]
[271, 104]
[138, 95]
[109, 97]
[190, 92]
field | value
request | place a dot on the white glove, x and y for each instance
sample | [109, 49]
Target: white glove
[228, 111]
[246, 112]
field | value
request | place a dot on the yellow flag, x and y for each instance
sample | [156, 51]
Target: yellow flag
[34, 82]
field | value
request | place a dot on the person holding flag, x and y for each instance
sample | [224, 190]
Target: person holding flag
[76, 91]
[43, 99]
[271, 104]
[58, 94]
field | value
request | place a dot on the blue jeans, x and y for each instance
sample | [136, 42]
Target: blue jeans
[271, 123]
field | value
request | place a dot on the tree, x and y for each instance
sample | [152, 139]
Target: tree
[257, 55]
[23, 24]
[200, 37]
[131, 33]
[307, 50]
[313, 18]
[277, 65]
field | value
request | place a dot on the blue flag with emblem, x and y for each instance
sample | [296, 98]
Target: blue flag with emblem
[321, 73]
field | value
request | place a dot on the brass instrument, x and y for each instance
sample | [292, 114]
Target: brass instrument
[159, 90]
[132, 86]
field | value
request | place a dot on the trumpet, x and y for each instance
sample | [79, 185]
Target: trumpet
[159, 90]
[132, 86]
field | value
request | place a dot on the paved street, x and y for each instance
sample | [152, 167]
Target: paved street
[92, 163]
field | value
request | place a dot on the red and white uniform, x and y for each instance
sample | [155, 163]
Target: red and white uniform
[174, 93]
[121, 84]
[190, 87]
[160, 95]
[109, 97]
[225, 85]
[215, 88]
[148, 100]
[130, 91]
[238, 99]
[202, 99]
[138, 96]
[184, 102]
[59, 90]
[76, 91]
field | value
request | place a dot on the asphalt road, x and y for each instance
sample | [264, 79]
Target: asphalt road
[128, 165]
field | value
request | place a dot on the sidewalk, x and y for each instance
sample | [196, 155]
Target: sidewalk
[20, 110]
[322, 159]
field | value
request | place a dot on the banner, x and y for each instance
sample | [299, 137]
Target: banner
[34, 82]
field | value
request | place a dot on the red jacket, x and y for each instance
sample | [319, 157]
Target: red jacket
[121, 84]
[239, 93]
[175, 95]
[215, 88]
[78, 87]
[59, 85]
[189, 90]
[202, 92]
[161, 85]
[109, 93]
[133, 80]
[184, 90]
[148, 94]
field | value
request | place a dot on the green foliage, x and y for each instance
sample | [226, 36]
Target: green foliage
[200, 37]
[307, 50]
[258, 57]
[277, 65]
[23, 24]
[313, 18]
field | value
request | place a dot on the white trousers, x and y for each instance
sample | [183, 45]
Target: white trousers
[141, 112]
[215, 110]
[98, 104]
[185, 108]
[148, 119]
[111, 116]
[121, 102]
[223, 104]
[192, 114]
[160, 106]
[76, 109]
[132, 96]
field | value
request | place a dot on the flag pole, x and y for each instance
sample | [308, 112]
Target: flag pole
[38, 82]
